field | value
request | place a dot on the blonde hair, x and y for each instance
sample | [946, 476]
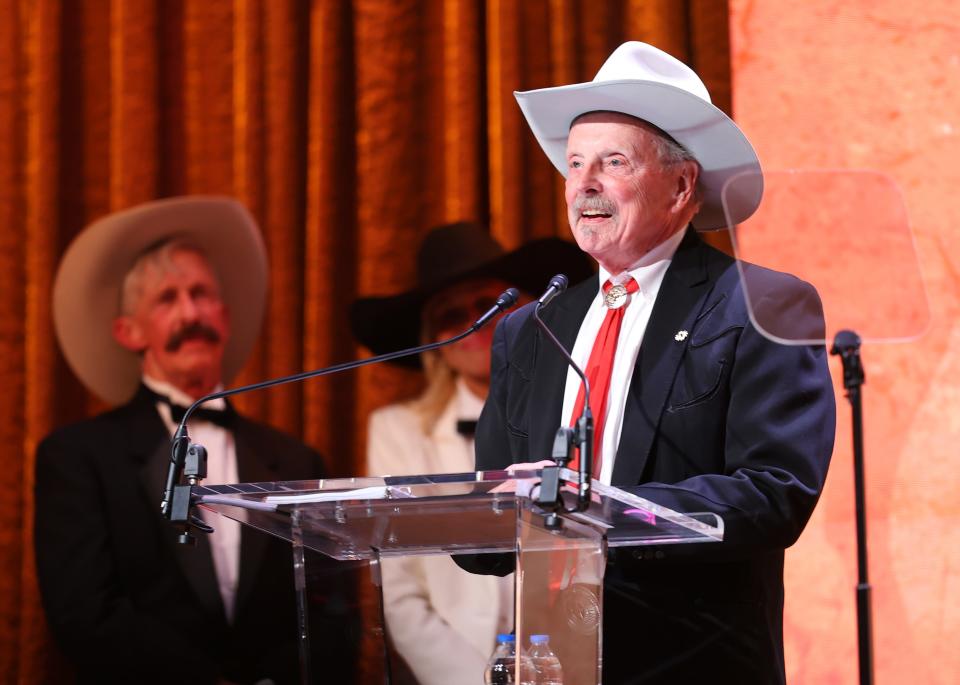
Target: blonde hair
[441, 386]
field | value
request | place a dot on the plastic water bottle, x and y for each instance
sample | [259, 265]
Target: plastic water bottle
[545, 662]
[528, 674]
[501, 668]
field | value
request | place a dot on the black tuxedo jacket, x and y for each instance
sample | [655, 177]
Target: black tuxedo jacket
[124, 600]
[720, 420]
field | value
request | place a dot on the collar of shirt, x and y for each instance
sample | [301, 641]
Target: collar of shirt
[649, 269]
[468, 404]
[177, 396]
[464, 405]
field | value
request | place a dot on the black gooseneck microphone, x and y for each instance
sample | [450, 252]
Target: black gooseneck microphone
[583, 435]
[176, 504]
[556, 286]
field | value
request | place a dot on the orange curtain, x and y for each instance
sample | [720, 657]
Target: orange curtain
[348, 128]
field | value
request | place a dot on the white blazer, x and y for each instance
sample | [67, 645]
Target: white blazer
[442, 620]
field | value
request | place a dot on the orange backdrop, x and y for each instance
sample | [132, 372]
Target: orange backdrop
[873, 84]
[347, 126]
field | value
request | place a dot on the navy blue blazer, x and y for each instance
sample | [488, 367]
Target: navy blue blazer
[722, 421]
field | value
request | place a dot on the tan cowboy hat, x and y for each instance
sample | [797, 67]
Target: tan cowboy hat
[451, 254]
[86, 291]
[645, 82]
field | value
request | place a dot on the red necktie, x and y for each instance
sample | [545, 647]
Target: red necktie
[598, 372]
[600, 366]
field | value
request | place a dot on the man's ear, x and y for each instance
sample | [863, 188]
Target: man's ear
[686, 189]
[126, 332]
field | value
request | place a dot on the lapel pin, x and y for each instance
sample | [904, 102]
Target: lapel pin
[681, 336]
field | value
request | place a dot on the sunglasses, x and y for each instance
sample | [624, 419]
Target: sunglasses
[460, 315]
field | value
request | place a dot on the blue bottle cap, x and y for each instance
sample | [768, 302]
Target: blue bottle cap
[506, 637]
[539, 639]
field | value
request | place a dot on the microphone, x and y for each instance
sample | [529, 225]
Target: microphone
[556, 286]
[583, 435]
[176, 503]
[507, 299]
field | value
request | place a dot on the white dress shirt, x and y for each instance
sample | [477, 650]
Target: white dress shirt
[221, 468]
[648, 273]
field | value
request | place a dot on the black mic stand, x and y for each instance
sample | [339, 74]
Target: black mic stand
[190, 460]
[563, 443]
[846, 344]
[581, 436]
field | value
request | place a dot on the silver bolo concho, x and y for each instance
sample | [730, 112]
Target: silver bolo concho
[616, 296]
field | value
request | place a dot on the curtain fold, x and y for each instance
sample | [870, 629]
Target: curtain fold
[348, 128]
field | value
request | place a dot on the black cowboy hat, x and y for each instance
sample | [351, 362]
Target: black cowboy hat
[452, 254]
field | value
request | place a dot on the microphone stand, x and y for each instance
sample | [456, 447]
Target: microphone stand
[582, 436]
[846, 344]
[177, 503]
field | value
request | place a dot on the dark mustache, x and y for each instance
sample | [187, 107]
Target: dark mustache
[192, 331]
[597, 203]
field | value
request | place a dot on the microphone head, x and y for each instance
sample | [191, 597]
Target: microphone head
[507, 299]
[559, 282]
[556, 286]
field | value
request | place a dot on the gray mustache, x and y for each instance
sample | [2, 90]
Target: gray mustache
[192, 331]
[595, 203]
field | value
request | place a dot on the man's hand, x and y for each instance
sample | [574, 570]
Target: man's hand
[525, 486]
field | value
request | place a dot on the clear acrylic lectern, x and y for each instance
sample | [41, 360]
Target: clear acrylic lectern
[559, 571]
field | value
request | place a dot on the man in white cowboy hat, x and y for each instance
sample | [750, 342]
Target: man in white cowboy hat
[154, 307]
[442, 620]
[694, 408]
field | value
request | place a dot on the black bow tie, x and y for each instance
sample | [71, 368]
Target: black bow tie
[225, 418]
[466, 427]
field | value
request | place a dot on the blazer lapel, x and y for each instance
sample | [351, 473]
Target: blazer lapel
[150, 445]
[550, 376]
[682, 293]
[148, 435]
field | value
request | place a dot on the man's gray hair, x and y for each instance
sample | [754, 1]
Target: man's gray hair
[669, 150]
[160, 256]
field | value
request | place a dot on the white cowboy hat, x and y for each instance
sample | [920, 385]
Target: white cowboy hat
[86, 290]
[647, 83]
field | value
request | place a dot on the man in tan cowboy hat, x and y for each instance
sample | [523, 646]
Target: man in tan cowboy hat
[442, 620]
[694, 408]
[154, 307]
